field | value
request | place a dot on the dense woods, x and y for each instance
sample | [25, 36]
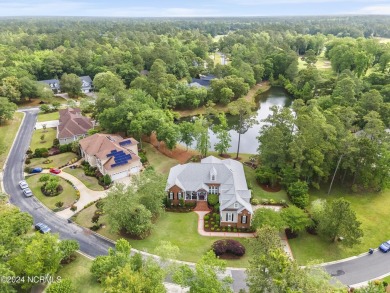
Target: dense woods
[141, 69]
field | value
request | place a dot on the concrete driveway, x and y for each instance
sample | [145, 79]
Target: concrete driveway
[49, 124]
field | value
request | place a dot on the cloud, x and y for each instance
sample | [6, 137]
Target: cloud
[272, 2]
[374, 9]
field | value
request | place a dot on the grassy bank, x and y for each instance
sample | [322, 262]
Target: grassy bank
[178, 228]
[8, 132]
[372, 210]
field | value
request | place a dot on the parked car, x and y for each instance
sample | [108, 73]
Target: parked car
[36, 170]
[27, 192]
[385, 246]
[23, 184]
[42, 228]
[55, 171]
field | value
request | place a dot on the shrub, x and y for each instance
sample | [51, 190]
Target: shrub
[27, 161]
[223, 246]
[212, 228]
[218, 230]
[65, 148]
[212, 223]
[216, 225]
[95, 218]
[298, 193]
[27, 169]
[142, 155]
[44, 178]
[59, 204]
[212, 199]
[255, 201]
[56, 142]
[95, 227]
[207, 217]
[217, 218]
[216, 207]
[38, 153]
[73, 208]
[181, 202]
[214, 215]
[206, 226]
[235, 230]
[45, 108]
[107, 180]
[99, 204]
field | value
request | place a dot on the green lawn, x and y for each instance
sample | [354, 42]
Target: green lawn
[67, 196]
[79, 273]
[160, 162]
[58, 160]
[50, 135]
[48, 116]
[372, 211]
[8, 132]
[90, 182]
[178, 228]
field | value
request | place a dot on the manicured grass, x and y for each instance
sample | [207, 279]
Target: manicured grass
[48, 116]
[67, 196]
[91, 182]
[79, 273]
[372, 210]
[35, 102]
[178, 228]
[58, 160]
[8, 132]
[160, 162]
[36, 142]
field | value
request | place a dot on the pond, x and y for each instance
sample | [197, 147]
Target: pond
[249, 143]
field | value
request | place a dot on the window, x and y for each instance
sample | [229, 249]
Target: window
[235, 205]
[229, 217]
[179, 195]
[213, 189]
[243, 219]
[171, 195]
[213, 178]
[188, 195]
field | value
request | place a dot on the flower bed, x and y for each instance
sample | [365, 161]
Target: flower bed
[212, 224]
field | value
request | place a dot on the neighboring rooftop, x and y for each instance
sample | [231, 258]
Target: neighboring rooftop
[54, 84]
[113, 148]
[72, 123]
[203, 81]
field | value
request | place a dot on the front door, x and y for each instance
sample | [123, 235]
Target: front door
[202, 195]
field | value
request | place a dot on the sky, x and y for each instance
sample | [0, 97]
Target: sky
[194, 8]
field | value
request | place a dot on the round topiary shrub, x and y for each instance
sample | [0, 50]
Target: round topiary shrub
[206, 226]
[212, 228]
[207, 217]
[231, 246]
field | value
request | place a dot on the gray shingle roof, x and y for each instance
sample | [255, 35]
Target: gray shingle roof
[229, 174]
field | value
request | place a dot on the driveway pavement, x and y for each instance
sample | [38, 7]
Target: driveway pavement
[49, 124]
[86, 195]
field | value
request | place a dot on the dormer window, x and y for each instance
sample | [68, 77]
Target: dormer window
[213, 174]
[235, 205]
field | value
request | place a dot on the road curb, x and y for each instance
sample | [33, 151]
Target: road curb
[345, 259]
[10, 149]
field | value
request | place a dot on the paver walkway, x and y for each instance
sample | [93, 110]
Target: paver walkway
[201, 231]
[86, 195]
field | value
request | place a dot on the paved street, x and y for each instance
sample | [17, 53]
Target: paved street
[349, 272]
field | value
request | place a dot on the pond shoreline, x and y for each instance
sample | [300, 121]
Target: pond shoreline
[251, 96]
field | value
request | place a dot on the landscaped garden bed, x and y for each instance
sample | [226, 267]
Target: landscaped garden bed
[212, 224]
[56, 161]
[62, 200]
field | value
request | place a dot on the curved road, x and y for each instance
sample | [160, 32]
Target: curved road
[90, 244]
[349, 272]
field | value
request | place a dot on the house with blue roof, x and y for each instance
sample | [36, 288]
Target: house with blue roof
[203, 81]
[112, 154]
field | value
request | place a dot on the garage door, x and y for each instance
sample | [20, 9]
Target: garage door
[134, 170]
[119, 175]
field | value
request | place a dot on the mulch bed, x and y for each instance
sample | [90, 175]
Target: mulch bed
[180, 153]
[269, 188]
[226, 156]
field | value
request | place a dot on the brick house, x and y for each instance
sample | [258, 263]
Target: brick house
[111, 154]
[72, 125]
[193, 182]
